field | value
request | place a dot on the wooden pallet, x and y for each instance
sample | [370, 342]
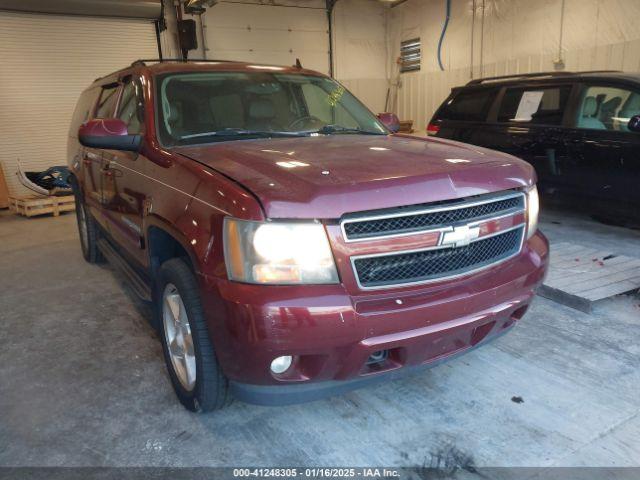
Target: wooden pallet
[32, 205]
[579, 276]
[406, 126]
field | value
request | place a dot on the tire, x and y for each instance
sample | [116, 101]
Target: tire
[193, 368]
[88, 231]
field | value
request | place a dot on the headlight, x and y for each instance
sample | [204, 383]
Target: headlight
[533, 208]
[278, 252]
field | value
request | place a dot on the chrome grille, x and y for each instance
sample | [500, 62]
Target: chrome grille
[427, 265]
[420, 218]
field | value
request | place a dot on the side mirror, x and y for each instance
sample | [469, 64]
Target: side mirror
[634, 124]
[110, 134]
[390, 120]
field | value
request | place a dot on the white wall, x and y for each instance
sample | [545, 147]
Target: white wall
[519, 36]
[360, 50]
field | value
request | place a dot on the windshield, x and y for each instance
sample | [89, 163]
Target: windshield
[220, 106]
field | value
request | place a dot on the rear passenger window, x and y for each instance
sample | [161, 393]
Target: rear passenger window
[471, 106]
[107, 103]
[536, 106]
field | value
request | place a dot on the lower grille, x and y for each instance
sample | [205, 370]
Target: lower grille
[426, 265]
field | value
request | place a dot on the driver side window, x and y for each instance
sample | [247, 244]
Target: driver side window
[107, 102]
[131, 109]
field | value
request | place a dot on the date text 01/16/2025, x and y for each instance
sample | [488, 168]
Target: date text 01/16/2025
[317, 472]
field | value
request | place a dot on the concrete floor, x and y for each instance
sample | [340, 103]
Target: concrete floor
[82, 381]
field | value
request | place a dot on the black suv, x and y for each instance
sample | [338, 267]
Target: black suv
[579, 130]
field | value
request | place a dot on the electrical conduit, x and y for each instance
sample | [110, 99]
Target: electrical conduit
[444, 30]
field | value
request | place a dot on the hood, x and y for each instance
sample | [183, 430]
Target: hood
[325, 177]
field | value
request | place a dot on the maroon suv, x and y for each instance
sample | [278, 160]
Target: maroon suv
[292, 246]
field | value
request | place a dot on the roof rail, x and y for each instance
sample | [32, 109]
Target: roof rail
[144, 61]
[478, 81]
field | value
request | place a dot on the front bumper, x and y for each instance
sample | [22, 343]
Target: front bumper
[332, 334]
[288, 394]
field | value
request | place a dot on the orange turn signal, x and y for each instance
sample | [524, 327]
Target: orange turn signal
[276, 273]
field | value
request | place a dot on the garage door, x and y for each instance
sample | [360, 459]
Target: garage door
[270, 34]
[45, 62]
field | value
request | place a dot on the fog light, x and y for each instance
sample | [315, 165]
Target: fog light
[281, 364]
[377, 357]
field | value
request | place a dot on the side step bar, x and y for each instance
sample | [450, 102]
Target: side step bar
[139, 286]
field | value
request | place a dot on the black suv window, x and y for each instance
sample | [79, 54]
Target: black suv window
[471, 106]
[534, 105]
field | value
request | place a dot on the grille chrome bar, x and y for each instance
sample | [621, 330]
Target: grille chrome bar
[429, 219]
[516, 233]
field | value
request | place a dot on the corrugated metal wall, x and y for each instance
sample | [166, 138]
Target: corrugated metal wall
[45, 62]
[360, 50]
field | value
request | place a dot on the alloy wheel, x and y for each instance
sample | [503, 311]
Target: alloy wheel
[177, 333]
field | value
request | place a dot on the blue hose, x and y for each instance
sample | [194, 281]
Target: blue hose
[444, 30]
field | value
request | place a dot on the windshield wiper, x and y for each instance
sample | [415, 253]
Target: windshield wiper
[233, 132]
[332, 129]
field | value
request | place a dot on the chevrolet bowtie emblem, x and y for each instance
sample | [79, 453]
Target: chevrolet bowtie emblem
[460, 236]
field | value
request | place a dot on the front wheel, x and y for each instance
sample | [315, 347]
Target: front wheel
[193, 368]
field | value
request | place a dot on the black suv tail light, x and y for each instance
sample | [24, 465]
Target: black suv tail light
[433, 129]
